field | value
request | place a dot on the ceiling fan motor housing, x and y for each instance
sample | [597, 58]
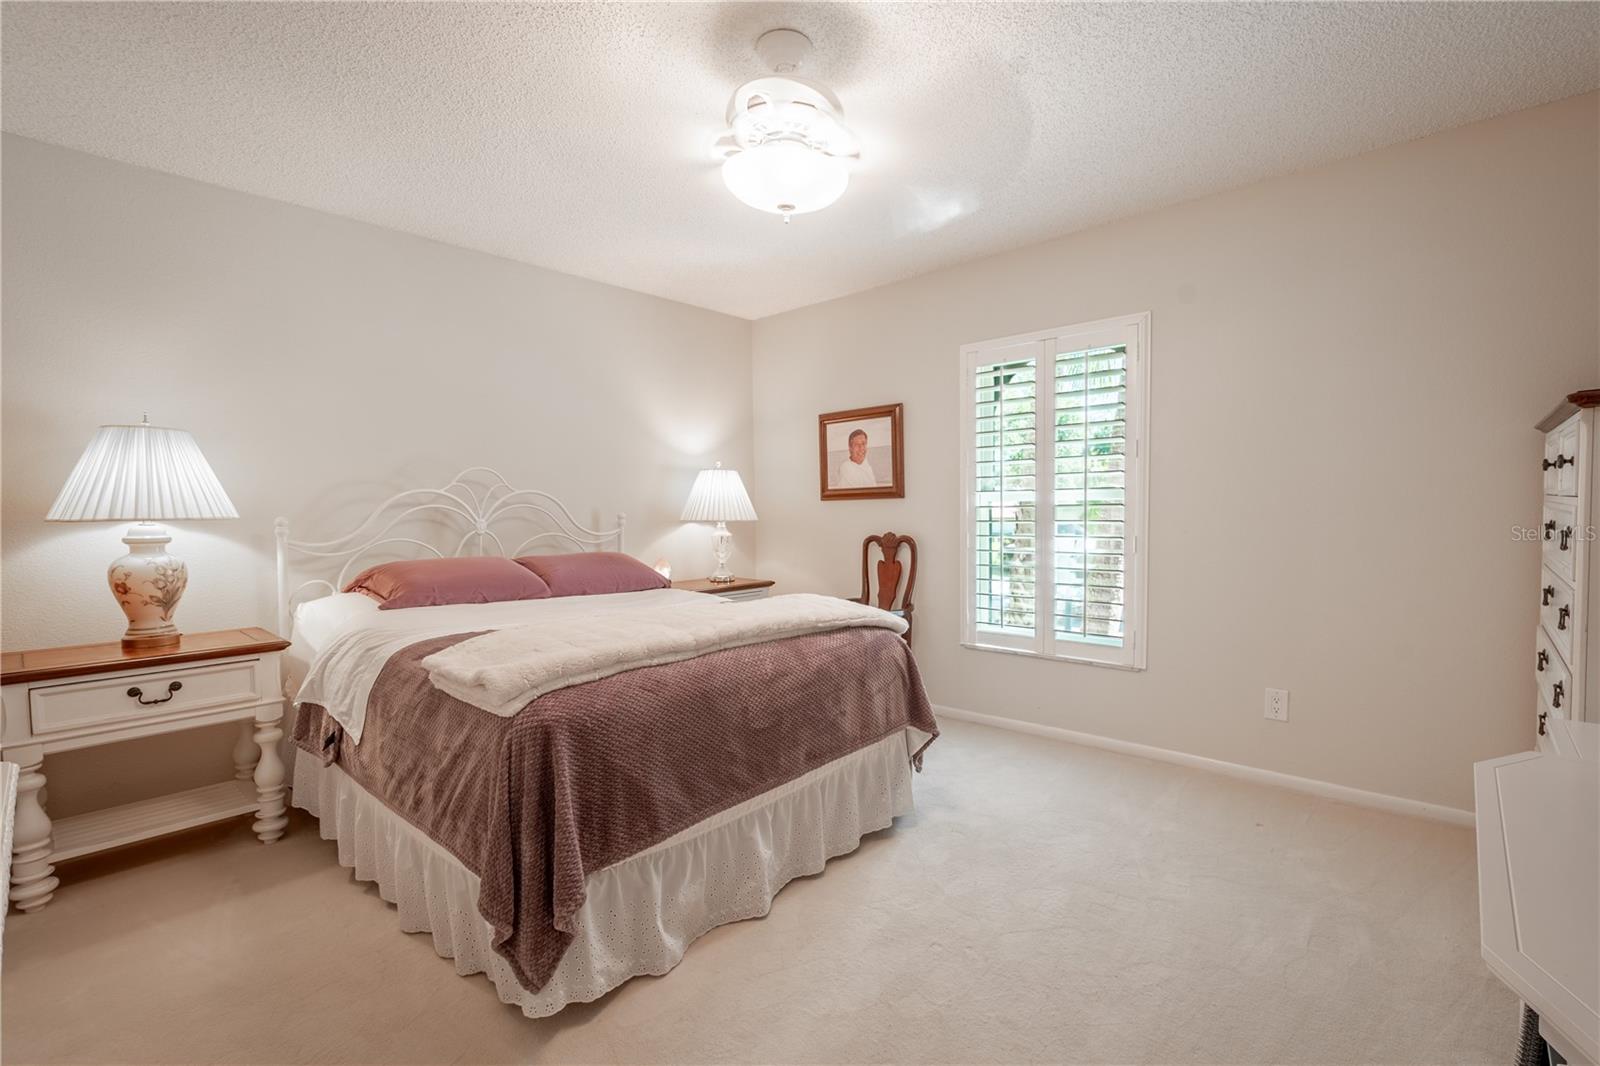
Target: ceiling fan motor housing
[783, 51]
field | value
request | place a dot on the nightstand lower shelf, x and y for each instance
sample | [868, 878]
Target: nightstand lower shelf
[86, 834]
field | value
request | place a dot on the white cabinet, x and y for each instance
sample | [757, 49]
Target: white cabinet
[1562, 459]
[1538, 830]
[59, 699]
[1563, 644]
[1559, 529]
[1573, 740]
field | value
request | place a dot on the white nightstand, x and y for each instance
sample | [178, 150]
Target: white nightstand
[740, 588]
[58, 699]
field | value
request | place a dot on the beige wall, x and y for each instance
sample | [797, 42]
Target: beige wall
[316, 360]
[1347, 367]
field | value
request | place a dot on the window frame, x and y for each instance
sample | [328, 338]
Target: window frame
[1133, 331]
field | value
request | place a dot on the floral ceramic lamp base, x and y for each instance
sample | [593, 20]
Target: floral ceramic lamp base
[148, 584]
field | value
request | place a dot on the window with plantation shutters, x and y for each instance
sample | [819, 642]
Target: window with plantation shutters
[1054, 485]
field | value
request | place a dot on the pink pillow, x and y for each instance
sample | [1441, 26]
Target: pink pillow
[432, 582]
[593, 573]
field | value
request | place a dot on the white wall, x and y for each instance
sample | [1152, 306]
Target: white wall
[1347, 367]
[316, 360]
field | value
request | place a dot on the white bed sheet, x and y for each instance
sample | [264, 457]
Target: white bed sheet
[317, 622]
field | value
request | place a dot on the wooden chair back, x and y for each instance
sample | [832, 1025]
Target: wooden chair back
[890, 571]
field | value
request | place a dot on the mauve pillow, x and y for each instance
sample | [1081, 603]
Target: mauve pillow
[432, 582]
[593, 573]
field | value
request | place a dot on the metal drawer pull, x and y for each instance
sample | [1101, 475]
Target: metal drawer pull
[1561, 617]
[1566, 538]
[1549, 528]
[1544, 657]
[1560, 461]
[1557, 690]
[1542, 716]
[1549, 590]
[137, 693]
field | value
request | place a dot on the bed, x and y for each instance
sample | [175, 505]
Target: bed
[566, 792]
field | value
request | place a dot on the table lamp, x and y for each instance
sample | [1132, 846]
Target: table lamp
[144, 474]
[718, 496]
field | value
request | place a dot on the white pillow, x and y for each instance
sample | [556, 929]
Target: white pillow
[318, 621]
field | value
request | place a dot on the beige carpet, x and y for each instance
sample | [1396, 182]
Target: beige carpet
[1046, 903]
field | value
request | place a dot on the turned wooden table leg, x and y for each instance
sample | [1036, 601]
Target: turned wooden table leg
[33, 880]
[245, 752]
[269, 775]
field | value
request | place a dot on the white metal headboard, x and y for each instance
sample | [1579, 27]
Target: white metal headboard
[478, 499]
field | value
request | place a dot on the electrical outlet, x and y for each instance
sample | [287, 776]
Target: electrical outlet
[1277, 704]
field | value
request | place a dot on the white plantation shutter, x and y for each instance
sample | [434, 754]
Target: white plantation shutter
[1005, 500]
[1090, 493]
[1056, 532]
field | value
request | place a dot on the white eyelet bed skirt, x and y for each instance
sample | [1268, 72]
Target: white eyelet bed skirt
[641, 914]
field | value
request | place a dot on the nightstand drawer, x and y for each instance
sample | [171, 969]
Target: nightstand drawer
[741, 595]
[107, 700]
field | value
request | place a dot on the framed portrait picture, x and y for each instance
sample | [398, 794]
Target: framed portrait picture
[863, 453]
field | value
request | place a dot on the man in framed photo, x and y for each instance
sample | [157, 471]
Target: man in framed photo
[861, 453]
[855, 472]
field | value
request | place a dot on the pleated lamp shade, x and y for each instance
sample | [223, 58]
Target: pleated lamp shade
[718, 496]
[141, 473]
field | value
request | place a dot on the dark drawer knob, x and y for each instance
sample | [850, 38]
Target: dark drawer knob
[1566, 538]
[1562, 616]
[1544, 658]
[138, 693]
[1549, 590]
[1549, 528]
[1560, 461]
[1557, 690]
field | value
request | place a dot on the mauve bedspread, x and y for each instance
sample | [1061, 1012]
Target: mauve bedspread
[589, 775]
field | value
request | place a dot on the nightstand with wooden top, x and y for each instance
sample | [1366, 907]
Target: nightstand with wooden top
[59, 699]
[740, 588]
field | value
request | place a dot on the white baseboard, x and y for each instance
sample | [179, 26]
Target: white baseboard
[1325, 789]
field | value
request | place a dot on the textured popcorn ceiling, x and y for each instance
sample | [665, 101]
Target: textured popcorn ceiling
[575, 137]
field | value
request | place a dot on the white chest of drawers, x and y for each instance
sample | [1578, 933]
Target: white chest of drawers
[1563, 645]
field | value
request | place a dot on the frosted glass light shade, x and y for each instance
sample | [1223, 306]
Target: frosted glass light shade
[141, 473]
[785, 177]
[718, 496]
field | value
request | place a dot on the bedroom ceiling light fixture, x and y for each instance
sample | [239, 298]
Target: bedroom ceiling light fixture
[787, 150]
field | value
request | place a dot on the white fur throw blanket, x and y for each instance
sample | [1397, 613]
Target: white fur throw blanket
[502, 671]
